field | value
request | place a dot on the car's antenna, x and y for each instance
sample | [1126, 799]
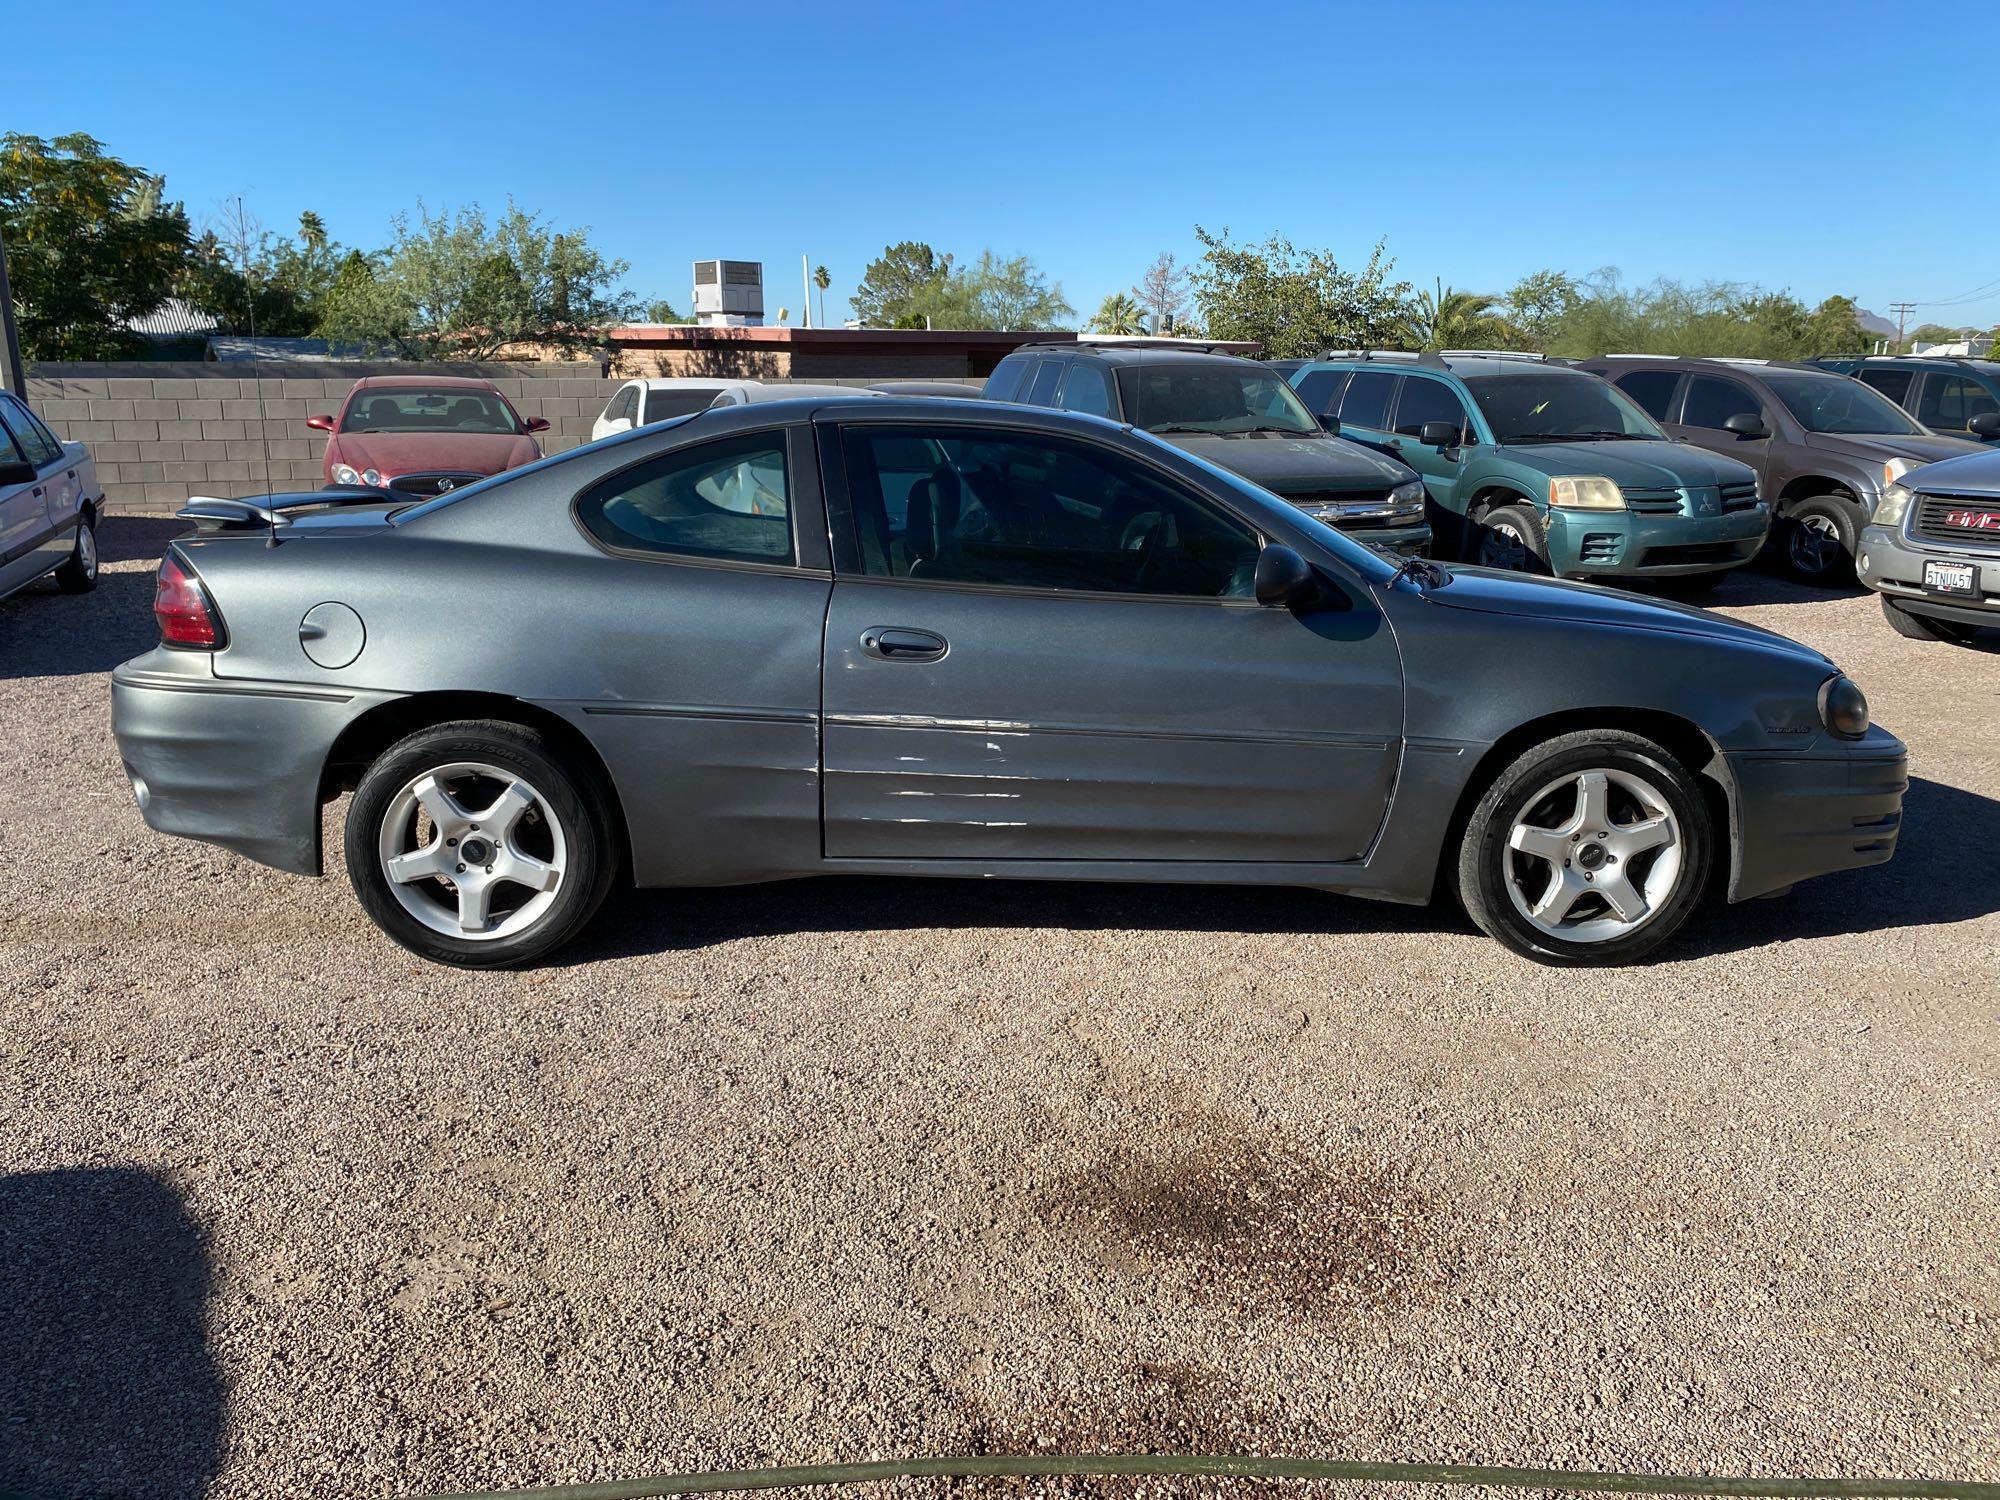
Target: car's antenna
[256, 364]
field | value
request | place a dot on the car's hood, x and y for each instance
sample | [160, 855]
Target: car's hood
[1294, 465]
[1967, 474]
[1637, 465]
[1500, 593]
[393, 453]
[1874, 447]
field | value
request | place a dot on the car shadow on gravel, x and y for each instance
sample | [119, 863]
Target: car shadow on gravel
[107, 1387]
[638, 922]
[47, 633]
[1942, 873]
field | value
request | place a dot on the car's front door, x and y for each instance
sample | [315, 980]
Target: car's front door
[1041, 647]
[1427, 399]
[1710, 402]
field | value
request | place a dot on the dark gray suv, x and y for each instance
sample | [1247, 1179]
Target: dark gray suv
[1955, 397]
[1235, 413]
[1824, 446]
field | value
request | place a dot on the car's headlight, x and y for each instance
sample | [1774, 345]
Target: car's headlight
[1585, 492]
[1890, 508]
[1407, 497]
[1896, 468]
[1844, 708]
[372, 478]
[346, 474]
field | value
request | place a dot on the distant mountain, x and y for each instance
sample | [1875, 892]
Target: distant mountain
[1876, 323]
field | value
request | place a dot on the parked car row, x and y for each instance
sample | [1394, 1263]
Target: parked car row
[50, 504]
[1955, 397]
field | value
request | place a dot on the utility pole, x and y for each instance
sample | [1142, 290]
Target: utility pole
[10, 339]
[1902, 310]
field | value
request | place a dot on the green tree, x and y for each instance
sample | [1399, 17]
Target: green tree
[1119, 313]
[90, 243]
[1834, 328]
[1295, 302]
[822, 279]
[895, 280]
[1538, 303]
[993, 292]
[660, 310]
[453, 286]
[254, 282]
[1450, 319]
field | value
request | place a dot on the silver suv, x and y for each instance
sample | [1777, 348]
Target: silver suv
[1932, 550]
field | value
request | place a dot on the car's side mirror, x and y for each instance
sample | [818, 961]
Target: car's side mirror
[1985, 425]
[320, 424]
[1746, 424]
[1284, 579]
[1438, 434]
[17, 471]
[1329, 423]
[538, 424]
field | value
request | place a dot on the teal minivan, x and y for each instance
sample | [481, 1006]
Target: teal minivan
[1537, 466]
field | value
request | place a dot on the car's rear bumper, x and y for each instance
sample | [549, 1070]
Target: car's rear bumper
[1631, 544]
[1836, 807]
[1893, 566]
[228, 762]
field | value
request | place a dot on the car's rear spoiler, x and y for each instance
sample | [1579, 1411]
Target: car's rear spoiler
[211, 513]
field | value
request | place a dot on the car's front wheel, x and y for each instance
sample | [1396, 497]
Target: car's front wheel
[1512, 538]
[1592, 848]
[1820, 540]
[473, 844]
[1918, 627]
[78, 574]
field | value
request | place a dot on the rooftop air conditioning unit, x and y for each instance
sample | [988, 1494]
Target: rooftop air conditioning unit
[729, 292]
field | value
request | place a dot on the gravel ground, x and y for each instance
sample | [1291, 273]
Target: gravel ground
[834, 1170]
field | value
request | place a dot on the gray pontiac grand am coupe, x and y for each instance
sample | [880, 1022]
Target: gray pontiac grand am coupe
[912, 636]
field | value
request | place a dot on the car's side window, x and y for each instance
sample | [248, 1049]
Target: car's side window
[727, 499]
[1366, 400]
[1042, 390]
[10, 451]
[1424, 401]
[1651, 390]
[1711, 402]
[1088, 389]
[1004, 383]
[1320, 390]
[967, 505]
[35, 440]
[1895, 384]
[1952, 401]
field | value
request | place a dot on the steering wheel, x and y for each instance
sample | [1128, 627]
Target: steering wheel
[1142, 535]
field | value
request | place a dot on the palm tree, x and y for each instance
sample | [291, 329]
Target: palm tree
[1119, 313]
[822, 278]
[1450, 319]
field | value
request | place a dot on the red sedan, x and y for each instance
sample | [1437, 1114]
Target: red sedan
[423, 434]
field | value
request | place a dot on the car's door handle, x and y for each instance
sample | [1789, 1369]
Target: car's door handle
[895, 643]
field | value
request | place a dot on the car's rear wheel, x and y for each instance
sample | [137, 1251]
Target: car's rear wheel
[1592, 848]
[78, 574]
[1511, 537]
[1922, 627]
[473, 844]
[1820, 540]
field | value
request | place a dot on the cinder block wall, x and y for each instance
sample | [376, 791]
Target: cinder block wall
[161, 432]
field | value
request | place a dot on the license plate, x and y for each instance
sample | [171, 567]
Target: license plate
[1960, 578]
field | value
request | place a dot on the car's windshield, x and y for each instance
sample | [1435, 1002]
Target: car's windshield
[1550, 406]
[1834, 403]
[677, 401]
[423, 408]
[1193, 397]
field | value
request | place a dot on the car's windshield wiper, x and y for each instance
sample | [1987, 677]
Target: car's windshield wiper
[1286, 431]
[1182, 427]
[1548, 437]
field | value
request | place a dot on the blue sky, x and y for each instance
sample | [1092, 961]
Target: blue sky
[1823, 148]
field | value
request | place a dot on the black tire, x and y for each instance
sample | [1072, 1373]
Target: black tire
[1485, 862]
[78, 574]
[1922, 627]
[570, 805]
[1819, 541]
[1492, 545]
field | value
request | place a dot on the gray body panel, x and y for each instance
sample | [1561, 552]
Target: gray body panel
[1087, 736]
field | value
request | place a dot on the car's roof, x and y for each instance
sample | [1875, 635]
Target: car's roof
[1148, 354]
[448, 382]
[1465, 366]
[688, 383]
[756, 391]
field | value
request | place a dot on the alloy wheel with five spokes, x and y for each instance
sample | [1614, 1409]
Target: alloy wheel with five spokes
[472, 851]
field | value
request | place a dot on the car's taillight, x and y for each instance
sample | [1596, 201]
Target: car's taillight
[182, 608]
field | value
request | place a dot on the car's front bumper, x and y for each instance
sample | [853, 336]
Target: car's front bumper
[1893, 565]
[1836, 806]
[1633, 544]
[229, 762]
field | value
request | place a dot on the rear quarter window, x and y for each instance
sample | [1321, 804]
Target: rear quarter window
[727, 500]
